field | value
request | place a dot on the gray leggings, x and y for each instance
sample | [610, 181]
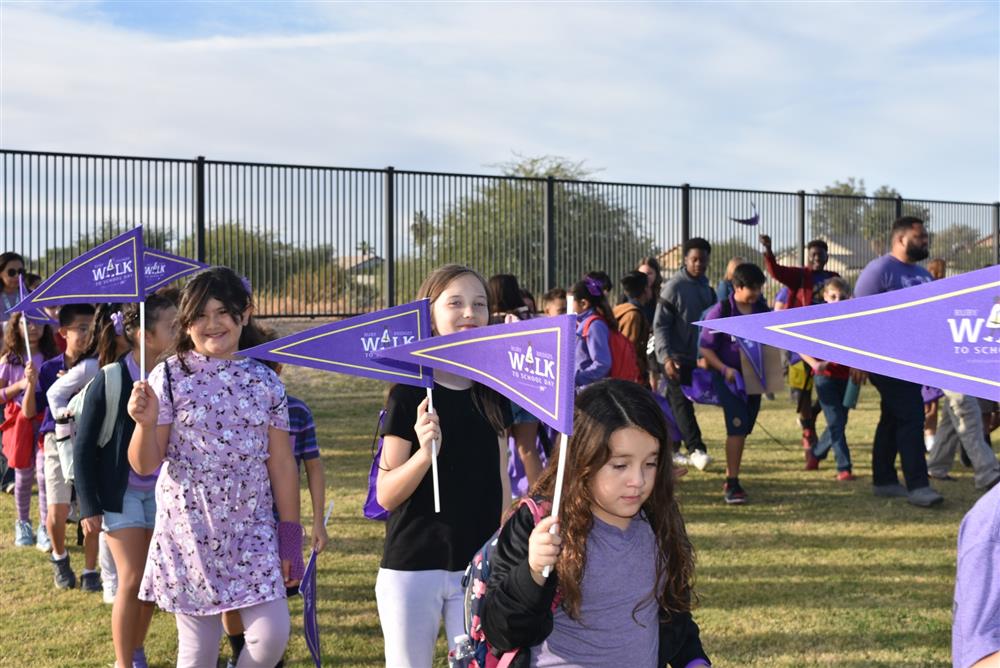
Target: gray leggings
[267, 627]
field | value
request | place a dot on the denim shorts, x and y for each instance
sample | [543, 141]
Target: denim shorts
[138, 511]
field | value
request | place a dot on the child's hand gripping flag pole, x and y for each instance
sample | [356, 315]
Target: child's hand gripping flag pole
[310, 624]
[531, 362]
[561, 467]
[110, 272]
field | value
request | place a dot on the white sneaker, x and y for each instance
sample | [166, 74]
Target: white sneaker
[109, 589]
[700, 459]
[680, 459]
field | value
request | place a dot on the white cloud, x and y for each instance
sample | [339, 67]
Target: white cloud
[778, 96]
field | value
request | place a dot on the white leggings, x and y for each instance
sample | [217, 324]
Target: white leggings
[267, 627]
[410, 606]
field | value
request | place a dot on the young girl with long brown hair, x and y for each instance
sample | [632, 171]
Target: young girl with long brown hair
[420, 579]
[623, 564]
[22, 418]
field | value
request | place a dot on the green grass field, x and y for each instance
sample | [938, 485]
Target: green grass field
[812, 572]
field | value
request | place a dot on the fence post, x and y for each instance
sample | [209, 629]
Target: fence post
[996, 232]
[549, 233]
[899, 206]
[685, 212]
[800, 225]
[199, 215]
[390, 236]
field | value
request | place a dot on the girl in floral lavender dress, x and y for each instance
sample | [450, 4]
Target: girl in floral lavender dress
[219, 425]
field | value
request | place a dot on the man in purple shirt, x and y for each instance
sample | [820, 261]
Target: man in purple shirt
[975, 633]
[901, 423]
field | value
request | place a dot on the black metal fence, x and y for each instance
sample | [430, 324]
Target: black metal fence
[327, 241]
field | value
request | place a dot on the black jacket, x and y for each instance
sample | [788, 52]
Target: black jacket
[517, 613]
[102, 473]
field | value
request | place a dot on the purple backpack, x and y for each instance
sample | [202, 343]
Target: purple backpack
[372, 509]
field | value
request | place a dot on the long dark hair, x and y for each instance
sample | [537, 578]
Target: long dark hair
[592, 290]
[156, 304]
[489, 403]
[103, 342]
[504, 295]
[220, 283]
[13, 342]
[601, 409]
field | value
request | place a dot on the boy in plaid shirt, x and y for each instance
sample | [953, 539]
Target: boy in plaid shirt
[302, 435]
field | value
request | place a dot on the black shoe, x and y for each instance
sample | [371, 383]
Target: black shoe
[734, 494]
[91, 582]
[64, 577]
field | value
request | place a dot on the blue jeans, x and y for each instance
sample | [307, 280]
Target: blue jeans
[831, 398]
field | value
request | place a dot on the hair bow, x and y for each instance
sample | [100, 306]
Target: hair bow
[593, 286]
[118, 318]
[245, 282]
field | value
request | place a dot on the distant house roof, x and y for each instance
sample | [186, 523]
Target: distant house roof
[985, 242]
[359, 263]
[671, 258]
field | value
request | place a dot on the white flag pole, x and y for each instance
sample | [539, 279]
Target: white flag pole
[561, 470]
[434, 456]
[142, 341]
[27, 343]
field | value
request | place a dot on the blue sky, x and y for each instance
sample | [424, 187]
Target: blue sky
[760, 95]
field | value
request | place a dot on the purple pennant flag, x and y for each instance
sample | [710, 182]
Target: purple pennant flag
[162, 268]
[310, 624]
[34, 315]
[944, 334]
[111, 272]
[930, 394]
[752, 220]
[531, 362]
[352, 346]
[755, 355]
[702, 390]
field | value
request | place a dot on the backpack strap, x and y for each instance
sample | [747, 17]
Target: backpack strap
[587, 323]
[113, 382]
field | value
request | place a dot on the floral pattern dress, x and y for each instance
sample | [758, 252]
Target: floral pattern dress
[215, 545]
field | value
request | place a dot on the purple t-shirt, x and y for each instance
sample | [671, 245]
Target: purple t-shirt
[136, 481]
[886, 273]
[975, 633]
[619, 574]
[724, 345]
[47, 376]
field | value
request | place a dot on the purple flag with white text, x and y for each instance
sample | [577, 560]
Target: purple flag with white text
[110, 272]
[531, 362]
[162, 268]
[944, 333]
[352, 346]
